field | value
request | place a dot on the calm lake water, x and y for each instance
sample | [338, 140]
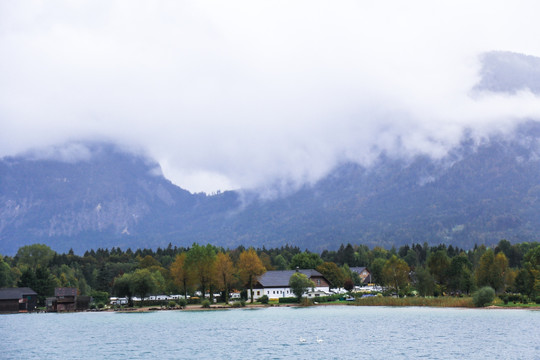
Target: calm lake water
[274, 333]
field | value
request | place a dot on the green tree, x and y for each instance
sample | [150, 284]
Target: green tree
[41, 281]
[483, 296]
[305, 260]
[332, 273]
[123, 287]
[201, 260]
[459, 274]
[531, 264]
[280, 263]
[396, 273]
[492, 270]
[6, 275]
[411, 258]
[376, 269]
[425, 283]
[299, 284]
[250, 268]
[438, 263]
[34, 255]
[142, 283]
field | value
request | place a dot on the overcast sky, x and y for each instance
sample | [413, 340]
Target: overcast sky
[243, 94]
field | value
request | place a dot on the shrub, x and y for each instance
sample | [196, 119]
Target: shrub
[306, 302]
[483, 296]
[263, 299]
[238, 304]
[182, 303]
[100, 305]
[171, 304]
[537, 300]
[288, 300]
[205, 304]
[505, 299]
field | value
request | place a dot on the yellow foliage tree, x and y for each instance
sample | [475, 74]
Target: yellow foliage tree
[180, 273]
[224, 273]
[250, 267]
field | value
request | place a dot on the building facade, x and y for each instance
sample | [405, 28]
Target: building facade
[15, 300]
[275, 284]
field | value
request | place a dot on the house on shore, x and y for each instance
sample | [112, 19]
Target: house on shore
[67, 299]
[15, 300]
[275, 284]
[363, 273]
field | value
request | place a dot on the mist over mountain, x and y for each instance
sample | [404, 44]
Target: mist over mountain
[85, 195]
[478, 193]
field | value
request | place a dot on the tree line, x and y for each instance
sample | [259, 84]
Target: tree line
[207, 269]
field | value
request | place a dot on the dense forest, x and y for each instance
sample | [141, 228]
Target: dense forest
[411, 269]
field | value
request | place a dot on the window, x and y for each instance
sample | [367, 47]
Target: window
[258, 292]
[318, 281]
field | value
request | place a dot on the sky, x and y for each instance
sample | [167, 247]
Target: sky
[257, 94]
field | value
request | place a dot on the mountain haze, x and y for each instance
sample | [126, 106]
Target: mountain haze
[486, 188]
[479, 193]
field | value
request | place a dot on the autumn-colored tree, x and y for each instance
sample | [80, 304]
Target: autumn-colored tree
[266, 261]
[147, 262]
[396, 273]
[250, 267]
[492, 270]
[224, 273]
[201, 260]
[180, 273]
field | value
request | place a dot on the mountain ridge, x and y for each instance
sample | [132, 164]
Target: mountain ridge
[478, 193]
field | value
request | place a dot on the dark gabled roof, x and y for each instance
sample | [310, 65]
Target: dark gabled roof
[15, 293]
[65, 291]
[358, 269]
[280, 278]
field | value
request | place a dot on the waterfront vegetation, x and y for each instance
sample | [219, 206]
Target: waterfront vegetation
[415, 275]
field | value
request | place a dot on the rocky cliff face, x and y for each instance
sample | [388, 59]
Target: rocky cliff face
[109, 194]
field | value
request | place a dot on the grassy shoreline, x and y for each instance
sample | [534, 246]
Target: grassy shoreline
[443, 302]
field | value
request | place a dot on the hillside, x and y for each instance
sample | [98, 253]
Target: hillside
[477, 194]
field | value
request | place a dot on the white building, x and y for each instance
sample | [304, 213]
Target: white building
[275, 284]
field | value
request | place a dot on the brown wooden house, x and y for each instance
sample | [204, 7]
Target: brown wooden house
[14, 300]
[67, 299]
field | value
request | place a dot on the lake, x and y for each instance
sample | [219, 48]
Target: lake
[275, 333]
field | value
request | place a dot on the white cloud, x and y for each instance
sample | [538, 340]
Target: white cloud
[250, 93]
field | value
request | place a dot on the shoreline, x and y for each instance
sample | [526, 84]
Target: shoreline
[262, 306]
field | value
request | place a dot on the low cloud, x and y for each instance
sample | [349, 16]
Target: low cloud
[249, 94]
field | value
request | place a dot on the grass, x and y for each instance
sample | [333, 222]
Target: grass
[446, 301]
[514, 305]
